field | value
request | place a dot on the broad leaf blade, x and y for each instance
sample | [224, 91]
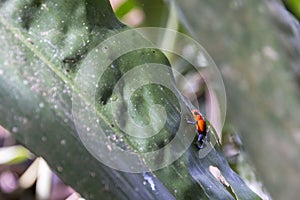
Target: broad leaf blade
[35, 91]
[44, 47]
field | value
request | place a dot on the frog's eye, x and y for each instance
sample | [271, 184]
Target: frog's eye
[196, 113]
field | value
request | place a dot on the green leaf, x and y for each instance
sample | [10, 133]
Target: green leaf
[42, 46]
[293, 6]
[13, 154]
[125, 8]
[46, 47]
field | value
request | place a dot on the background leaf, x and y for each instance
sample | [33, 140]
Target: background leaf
[258, 60]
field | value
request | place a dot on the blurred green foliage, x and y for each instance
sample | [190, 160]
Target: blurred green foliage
[293, 6]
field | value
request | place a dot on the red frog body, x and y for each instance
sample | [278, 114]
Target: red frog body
[200, 125]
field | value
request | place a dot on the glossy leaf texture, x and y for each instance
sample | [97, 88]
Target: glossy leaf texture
[44, 45]
[41, 46]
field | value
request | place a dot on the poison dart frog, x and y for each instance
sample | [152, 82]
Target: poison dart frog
[200, 127]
